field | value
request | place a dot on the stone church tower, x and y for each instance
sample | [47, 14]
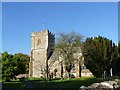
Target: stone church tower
[41, 50]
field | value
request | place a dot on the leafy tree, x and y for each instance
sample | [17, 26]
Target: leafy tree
[68, 45]
[0, 67]
[116, 63]
[7, 68]
[13, 65]
[21, 63]
[99, 53]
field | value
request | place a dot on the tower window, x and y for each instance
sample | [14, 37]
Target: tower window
[38, 42]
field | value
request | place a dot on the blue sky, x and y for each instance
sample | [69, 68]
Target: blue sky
[89, 19]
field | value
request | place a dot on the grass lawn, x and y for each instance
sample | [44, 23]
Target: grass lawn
[39, 83]
[72, 83]
[14, 85]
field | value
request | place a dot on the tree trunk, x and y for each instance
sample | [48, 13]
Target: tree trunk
[69, 75]
[80, 69]
[47, 69]
[61, 71]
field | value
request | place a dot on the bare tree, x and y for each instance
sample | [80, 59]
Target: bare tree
[68, 45]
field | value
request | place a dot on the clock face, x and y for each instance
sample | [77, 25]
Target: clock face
[38, 42]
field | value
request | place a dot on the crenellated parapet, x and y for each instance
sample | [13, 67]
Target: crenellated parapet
[46, 32]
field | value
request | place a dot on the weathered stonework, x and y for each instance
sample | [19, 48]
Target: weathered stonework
[42, 50]
[42, 47]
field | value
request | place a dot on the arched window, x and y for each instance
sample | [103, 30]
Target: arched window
[38, 42]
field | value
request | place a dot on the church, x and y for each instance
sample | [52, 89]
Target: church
[44, 58]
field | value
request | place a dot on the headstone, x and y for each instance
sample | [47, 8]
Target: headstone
[111, 72]
[104, 75]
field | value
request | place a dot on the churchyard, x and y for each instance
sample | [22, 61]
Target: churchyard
[103, 62]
